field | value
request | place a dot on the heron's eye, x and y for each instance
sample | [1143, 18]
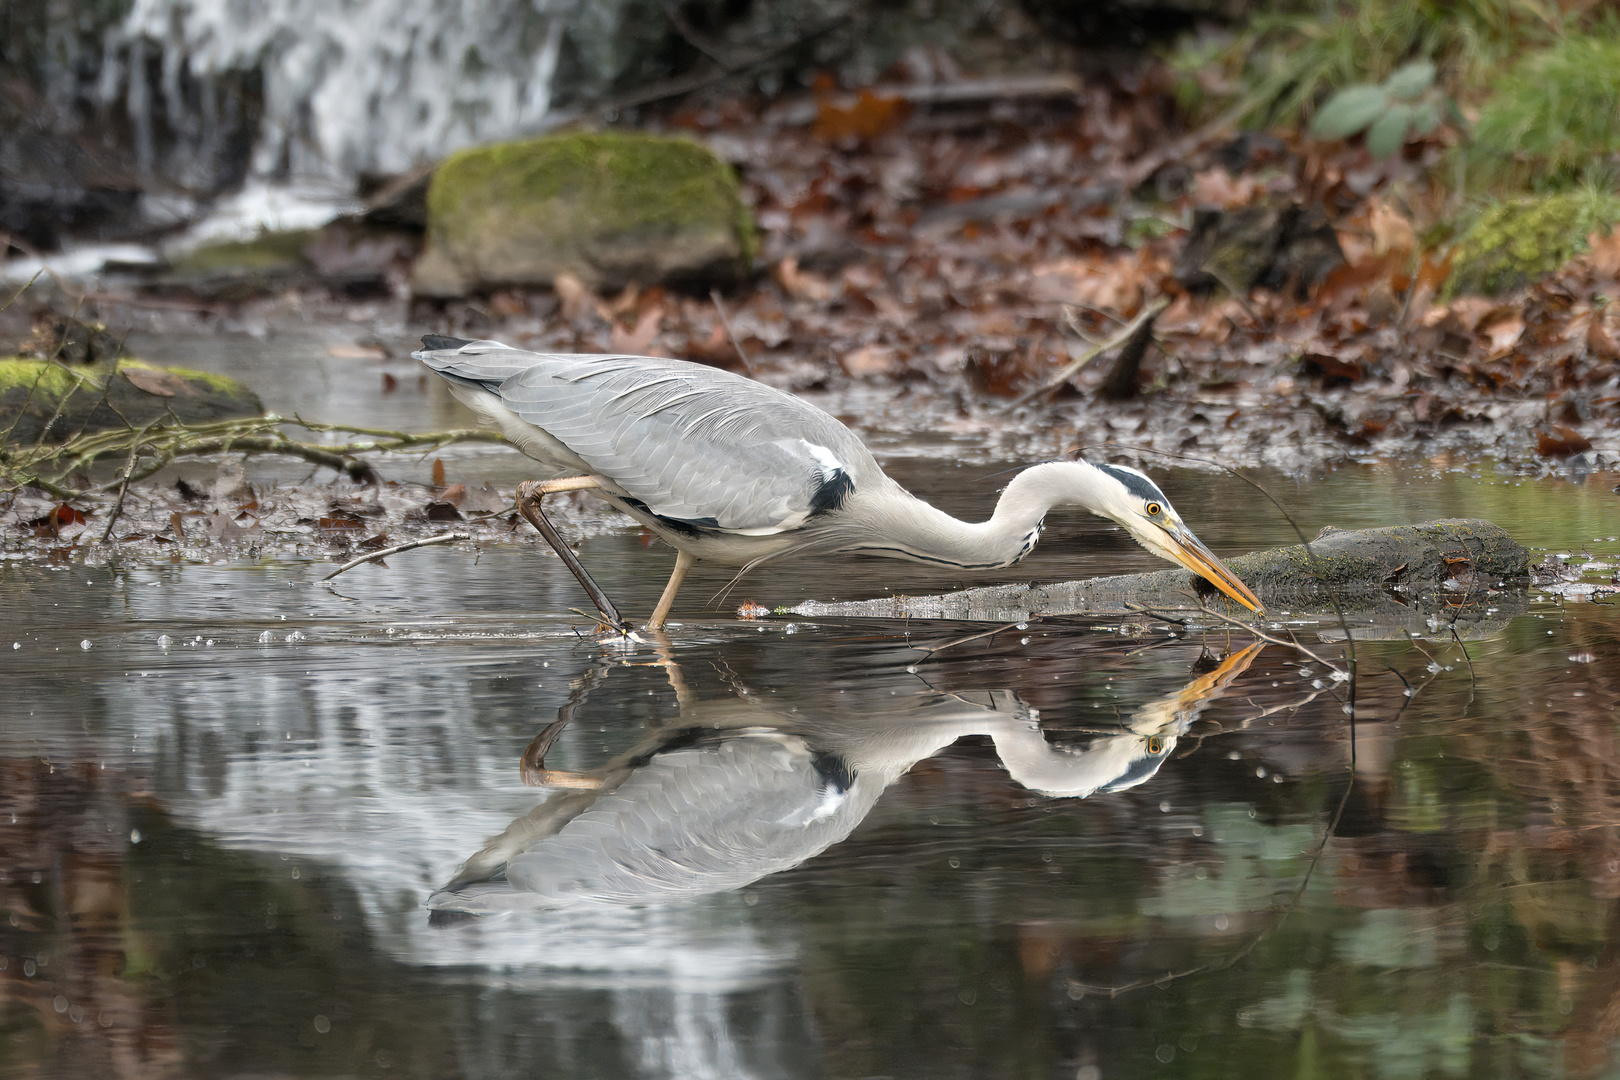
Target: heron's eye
[1154, 509]
[1155, 745]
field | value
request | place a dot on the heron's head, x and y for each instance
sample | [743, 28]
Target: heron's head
[1136, 502]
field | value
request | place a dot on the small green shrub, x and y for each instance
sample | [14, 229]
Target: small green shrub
[1295, 54]
[1553, 115]
[1517, 241]
[1405, 104]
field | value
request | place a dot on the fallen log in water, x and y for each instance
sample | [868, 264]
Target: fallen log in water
[1366, 570]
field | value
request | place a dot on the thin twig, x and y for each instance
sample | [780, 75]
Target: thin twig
[1073, 367]
[446, 538]
[1256, 631]
[123, 486]
[932, 649]
[714, 294]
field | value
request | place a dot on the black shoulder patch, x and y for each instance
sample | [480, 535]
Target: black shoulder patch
[831, 493]
[1135, 482]
[435, 342]
[834, 769]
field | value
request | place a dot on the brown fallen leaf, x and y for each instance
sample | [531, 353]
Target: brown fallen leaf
[1502, 335]
[801, 284]
[573, 297]
[866, 117]
[1561, 441]
[639, 340]
[870, 361]
[1599, 342]
[161, 383]
[356, 351]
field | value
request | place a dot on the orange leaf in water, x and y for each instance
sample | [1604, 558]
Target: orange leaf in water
[438, 472]
[1561, 441]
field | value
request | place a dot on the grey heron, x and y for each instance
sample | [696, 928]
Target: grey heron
[727, 469]
[732, 790]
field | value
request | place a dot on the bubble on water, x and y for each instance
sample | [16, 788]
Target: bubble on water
[1164, 807]
[294, 636]
[954, 863]
[1023, 641]
[911, 669]
[164, 641]
[134, 836]
[85, 644]
[267, 637]
[16, 644]
[1022, 626]
[1165, 1053]
[322, 1024]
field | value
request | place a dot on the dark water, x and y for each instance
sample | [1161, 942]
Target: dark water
[227, 794]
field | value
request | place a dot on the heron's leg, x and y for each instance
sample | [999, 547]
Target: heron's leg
[529, 495]
[683, 562]
[532, 766]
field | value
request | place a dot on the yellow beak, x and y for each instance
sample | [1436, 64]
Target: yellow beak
[1190, 552]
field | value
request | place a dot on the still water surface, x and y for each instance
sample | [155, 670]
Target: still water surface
[230, 798]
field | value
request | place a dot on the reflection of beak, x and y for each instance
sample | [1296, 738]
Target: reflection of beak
[1190, 552]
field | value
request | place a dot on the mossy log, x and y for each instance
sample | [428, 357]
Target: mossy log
[49, 401]
[1463, 557]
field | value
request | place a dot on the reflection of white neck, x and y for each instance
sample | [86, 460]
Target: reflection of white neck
[890, 750]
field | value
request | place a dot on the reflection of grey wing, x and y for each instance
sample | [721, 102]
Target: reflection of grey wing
[693, 443]
[695, 821]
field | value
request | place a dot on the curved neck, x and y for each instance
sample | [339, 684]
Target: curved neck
[909, 528]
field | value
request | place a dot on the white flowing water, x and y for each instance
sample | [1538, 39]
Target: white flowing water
[363, 86]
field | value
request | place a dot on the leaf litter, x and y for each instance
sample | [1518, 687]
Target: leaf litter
[928, 260]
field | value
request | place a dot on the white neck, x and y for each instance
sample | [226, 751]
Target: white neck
[908, 528]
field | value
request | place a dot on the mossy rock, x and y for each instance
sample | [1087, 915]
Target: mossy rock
[133, 394]
[609, 208]
[1519, 241]
[242, 267]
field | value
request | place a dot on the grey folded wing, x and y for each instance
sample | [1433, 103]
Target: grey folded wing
[693, 444]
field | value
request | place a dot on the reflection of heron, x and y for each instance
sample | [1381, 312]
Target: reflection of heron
[728, 469]
[735, 791]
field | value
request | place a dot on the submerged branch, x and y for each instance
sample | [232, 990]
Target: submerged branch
[149, 449]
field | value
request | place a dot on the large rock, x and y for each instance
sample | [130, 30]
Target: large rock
[607, 208]
[51, 402]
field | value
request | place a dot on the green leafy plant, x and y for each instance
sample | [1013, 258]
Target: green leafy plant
[1553, 116]
[1294, 53]
[1403, 105]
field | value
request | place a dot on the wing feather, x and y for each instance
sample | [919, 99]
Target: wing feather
[692, 443]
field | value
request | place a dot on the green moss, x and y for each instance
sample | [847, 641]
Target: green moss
[222, 383]
[1552, 114]
[1517, 241]
[266, 253]
[44, 378]
[599, 184]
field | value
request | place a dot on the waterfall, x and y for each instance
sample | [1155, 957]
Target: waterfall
[344, 87]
